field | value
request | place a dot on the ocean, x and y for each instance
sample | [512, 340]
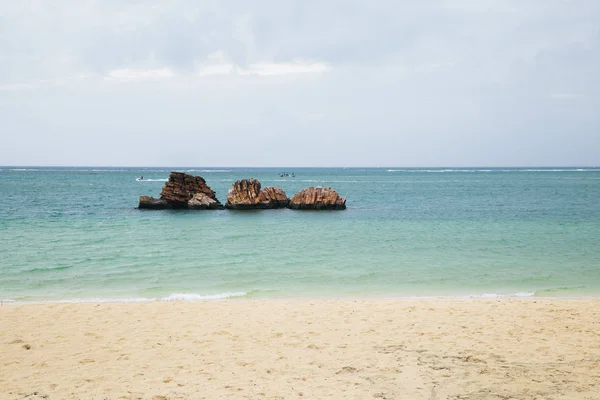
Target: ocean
[74, 234]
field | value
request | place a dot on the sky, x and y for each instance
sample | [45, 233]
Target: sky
[300, 83]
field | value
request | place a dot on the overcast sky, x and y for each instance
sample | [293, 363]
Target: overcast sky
[300, 83]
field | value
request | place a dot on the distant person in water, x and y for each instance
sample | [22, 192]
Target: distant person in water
[142, 178]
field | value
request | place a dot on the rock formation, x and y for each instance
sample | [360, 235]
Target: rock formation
[273, 196]
[183, 191]
[317, 199]
[150, 203]
[201, 201]
[246, 194]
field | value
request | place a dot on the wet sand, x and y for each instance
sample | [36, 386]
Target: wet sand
[290, 349]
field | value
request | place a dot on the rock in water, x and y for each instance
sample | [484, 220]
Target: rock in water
[183, 191]
[150, 203]
[200, 201]
[317, 199]
[273, 197]
[182, 187]
[245, 194]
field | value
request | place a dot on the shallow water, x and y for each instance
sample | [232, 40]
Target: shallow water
[75, 234]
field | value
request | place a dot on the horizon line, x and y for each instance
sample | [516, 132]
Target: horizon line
[297, 166]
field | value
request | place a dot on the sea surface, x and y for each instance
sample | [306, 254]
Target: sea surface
[74, 234]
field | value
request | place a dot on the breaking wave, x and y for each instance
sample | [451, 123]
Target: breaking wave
[497, 170]
[171, 297]
[199, 297]
[208, 170]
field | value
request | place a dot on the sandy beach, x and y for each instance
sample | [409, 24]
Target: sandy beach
[287, 349]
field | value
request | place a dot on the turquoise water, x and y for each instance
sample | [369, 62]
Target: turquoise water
[75, 234]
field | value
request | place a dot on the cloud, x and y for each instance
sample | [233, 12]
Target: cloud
[483, 39]
[217, 69]
[399, 81]
[218, 63]
[44, 83]
[133, 74]
[270, 69]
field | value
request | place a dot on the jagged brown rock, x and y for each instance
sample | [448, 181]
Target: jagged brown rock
[192, 192]
[180, 190]
[246, 194]
[201, 201]
[273, 196]
[317, 199]
[182, 187]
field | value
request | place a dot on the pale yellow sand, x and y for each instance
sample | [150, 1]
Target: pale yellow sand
[438, 349]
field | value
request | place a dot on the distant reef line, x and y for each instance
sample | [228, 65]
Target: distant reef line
[184, 191]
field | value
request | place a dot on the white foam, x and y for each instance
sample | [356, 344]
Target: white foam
[171, 297]
[93, 300]
[553, 170]
[499, 295]
[525, 294]
[208, 170]
[151, 180]
[499, 170]
[439, 170]
[313, 181]
[196, 297]
[484, 296]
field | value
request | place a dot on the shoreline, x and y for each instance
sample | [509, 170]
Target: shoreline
[238, 297]
[279, 349]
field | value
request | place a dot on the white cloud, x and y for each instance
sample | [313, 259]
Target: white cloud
[269, 69]
[437, 81]
[217, 69]
[218, 63]
[44, 83]
[133, 74]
